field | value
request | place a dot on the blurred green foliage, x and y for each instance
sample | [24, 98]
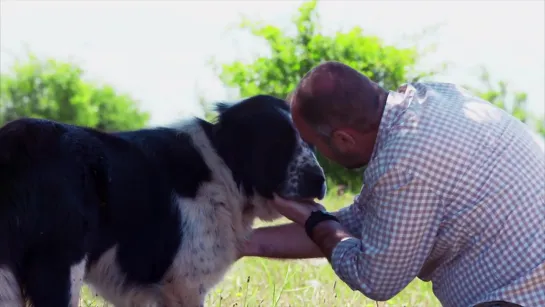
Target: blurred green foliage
[57, 90]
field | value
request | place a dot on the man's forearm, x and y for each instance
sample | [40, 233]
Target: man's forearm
[288, 241]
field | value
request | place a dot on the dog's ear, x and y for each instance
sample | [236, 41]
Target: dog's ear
[221, 107]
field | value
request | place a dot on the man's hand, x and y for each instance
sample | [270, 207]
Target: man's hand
[326, 234]
[297, 212]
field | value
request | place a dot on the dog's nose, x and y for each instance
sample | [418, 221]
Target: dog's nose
[314, 181]
[323, 191]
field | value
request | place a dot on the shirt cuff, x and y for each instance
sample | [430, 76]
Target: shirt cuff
[344, 268]
[348, 220]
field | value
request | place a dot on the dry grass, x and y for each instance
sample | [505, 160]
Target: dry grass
[256, 282]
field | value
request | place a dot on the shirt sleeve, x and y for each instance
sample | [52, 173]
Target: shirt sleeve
[350, 218]
[399, 222]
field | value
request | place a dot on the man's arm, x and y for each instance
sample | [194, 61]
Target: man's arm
[399, 226]
[290, 241]
[287, 241]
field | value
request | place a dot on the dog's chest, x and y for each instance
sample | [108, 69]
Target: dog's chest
[210, 237]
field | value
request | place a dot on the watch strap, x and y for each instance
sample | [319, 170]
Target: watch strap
[317, 217]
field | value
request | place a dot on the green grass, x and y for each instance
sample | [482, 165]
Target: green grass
[256, 282]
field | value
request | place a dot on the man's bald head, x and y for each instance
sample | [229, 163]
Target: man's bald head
[334, 95]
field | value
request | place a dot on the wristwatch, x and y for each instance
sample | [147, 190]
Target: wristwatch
[316, 217]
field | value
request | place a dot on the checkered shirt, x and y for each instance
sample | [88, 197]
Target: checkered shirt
[454, 194]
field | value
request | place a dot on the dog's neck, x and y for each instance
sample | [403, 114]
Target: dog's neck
[219, 142]
[253, 205]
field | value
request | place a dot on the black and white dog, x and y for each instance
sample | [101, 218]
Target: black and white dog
[151, 217]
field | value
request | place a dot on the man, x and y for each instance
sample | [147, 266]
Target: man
[454, 192]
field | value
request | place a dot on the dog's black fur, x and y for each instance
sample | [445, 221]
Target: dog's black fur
[70, 196]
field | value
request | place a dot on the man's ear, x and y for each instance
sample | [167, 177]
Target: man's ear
[343, 141]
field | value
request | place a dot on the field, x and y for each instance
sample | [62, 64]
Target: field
[254, 282]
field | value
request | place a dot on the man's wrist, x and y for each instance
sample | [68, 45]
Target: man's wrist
[315, 218]
[326, 234]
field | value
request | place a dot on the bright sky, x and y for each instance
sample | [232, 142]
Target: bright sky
[157, 51]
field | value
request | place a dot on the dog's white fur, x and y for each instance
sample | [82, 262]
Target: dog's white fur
[10, 295]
